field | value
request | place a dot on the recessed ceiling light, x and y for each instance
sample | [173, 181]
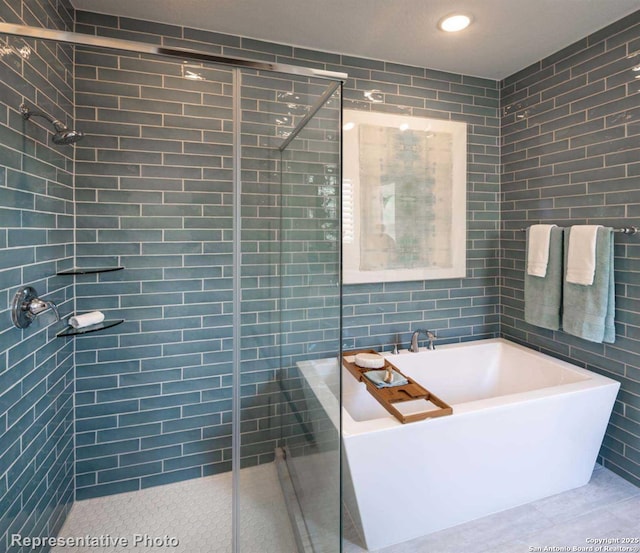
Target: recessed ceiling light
[348, 126]
[455, 22]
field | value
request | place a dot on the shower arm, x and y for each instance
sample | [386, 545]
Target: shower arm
[28, 113]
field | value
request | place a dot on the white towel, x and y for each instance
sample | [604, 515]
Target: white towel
[581, 259]
[538, 249]
[86, 319]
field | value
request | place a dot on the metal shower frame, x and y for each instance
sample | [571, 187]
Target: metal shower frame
[82, 39]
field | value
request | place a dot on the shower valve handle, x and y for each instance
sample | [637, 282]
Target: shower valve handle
[27, 306]
[37, 306]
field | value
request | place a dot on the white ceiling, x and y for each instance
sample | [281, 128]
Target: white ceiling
[507, 35]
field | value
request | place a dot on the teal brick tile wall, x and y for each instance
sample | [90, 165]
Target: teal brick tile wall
[153, 195]
[166, 216]
[144, 106]
[153, 396]
[36, 239]
[571, 147]
[462, 309]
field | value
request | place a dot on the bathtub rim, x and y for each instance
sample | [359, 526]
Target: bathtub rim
[351, 427]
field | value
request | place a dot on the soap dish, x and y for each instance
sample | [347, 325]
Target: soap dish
[70, 331]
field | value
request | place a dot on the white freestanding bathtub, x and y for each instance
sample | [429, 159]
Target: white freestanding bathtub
[524, 426]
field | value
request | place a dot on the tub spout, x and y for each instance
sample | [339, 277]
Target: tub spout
[431, 336]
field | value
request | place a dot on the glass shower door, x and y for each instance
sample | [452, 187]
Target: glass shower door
[180, 163]
[290, 309]
[312, 303]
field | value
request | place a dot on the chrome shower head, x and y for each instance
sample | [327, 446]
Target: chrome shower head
[67, 136]
[63, 134]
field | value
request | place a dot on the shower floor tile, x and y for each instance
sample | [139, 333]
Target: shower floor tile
[607, 507]
[196, 512]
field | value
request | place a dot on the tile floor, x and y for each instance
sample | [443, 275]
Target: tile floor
[196, 512]
[606, 508]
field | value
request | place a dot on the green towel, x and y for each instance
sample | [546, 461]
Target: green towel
[589, 310]
[543, 295]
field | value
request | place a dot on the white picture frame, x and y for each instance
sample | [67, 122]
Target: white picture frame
[404, 198]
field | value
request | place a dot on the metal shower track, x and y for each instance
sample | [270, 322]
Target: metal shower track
[185, 54]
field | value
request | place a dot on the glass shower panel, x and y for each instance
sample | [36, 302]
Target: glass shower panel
[290, 240]
[310, 383]
[137, 220]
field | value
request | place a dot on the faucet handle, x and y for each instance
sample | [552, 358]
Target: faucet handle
[431, 336]
[396, 345]
[51, 305]
[37, 306]
[27, 306]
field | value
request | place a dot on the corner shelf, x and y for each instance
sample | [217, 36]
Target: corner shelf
[88, 270]
[70, 331]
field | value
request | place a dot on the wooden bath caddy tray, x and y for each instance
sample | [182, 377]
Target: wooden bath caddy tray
[397, 394]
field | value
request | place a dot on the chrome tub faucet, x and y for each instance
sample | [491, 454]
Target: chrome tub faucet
[431, 336]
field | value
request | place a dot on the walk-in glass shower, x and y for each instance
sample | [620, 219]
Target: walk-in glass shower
[199, 212]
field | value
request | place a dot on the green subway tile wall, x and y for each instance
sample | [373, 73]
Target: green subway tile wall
[570, 154]
[36, 239]
[458, 309]
[161, 205]
[154, 394]
[167, 120]
[153, 193]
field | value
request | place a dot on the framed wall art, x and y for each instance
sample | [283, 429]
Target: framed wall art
[404, 198]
